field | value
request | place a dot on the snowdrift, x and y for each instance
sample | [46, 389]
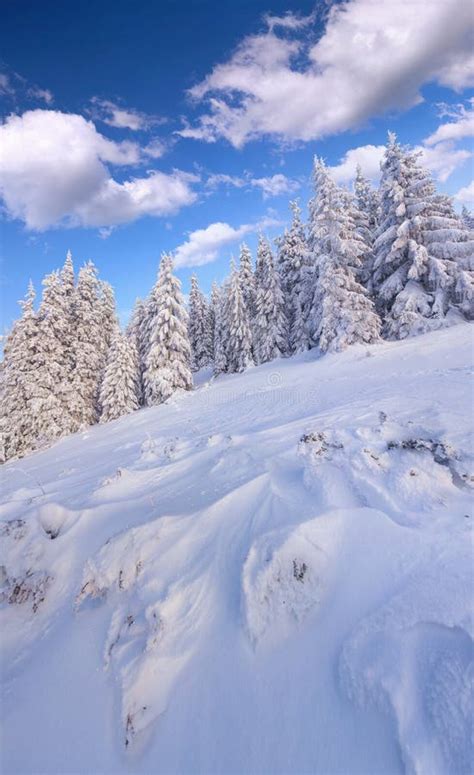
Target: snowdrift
[271, 574]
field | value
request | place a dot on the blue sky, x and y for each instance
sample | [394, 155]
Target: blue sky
[129, 129]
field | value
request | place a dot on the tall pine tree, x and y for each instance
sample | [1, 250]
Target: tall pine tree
[199, 327]
[88, 347]
[271, 324]
[237, 323]
[422, 250]
[119, 393]
[293, 270]
[168, 363]
[18, 383]
[342, 314]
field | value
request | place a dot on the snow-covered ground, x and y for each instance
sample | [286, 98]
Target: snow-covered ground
[269, 575]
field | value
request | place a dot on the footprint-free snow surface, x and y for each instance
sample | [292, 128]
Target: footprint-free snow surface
[271, 574]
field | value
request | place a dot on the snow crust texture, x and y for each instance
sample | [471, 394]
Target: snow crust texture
[270, 574]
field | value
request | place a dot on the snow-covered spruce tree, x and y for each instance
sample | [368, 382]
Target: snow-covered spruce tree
[69, 293]
[247, 279]
[467, 218]
[17, 385]
[148, 318]
[67, 277]
[270, 323]
[221, 334]
[108, 315]
[210, 327]
[119, 392]
[367, 200]
[134, 332]
[421, 249]
[362, 206]
[55, 392]
[342, 313]
[88, 347]
[293, 271]
[237, 323]
[168, 363]
[199, 327]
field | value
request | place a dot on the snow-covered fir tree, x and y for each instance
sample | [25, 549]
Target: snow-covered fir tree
[168, 362]
[270, 324]
[210, 326]
[362, 206]
[237, 325]
[108, 315]
[221, 334]
[293, 271]
[88, 347]
[247, 279]
[367, 200]
[55, 392]
[342, 314]
[18, 383]
[67, 278]
[119, 392]
[199, 327]
[421, 248]
[263, 247]
[467, 218]
[134, 331]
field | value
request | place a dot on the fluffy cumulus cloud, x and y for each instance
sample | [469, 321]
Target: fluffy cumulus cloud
[373, 56]
[203, 245]
[55, 170]
[368, 157]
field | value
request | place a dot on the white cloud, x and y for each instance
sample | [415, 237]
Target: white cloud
[54, 170]
[289, 21]
[115, 115]
[43, 95]
[14, 85]
[439, 152]
[5, 85]
[461, 127]
[156, 148]
[203, 245]
[367, 156]
[466, 195]
[274, 185]
[373, 56]
[221, 179]
[443, 158]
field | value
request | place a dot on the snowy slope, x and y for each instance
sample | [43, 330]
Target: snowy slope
[271, 574]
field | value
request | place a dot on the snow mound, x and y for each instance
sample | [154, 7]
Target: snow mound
[149, 636]
[414, 658]
[283, 578]
[400, 468]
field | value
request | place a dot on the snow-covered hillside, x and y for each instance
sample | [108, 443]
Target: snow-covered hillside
[269, 575]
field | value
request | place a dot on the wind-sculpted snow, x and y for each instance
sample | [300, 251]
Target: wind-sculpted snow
[283, 579]
[415, 657]
[270, 574]
[148, 640]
